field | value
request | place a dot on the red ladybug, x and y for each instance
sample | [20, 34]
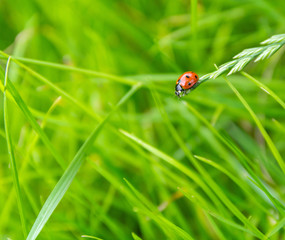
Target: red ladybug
[185, 82]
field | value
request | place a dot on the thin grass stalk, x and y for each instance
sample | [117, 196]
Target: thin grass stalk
[12, 155]
[266, 136]
[67, 178]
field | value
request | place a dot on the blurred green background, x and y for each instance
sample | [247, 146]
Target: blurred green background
[150, 42]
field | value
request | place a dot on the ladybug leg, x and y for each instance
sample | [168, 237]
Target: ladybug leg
[177, 93]
[183, 92]
[180, 93]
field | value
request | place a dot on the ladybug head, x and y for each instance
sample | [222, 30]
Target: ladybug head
[178, 90]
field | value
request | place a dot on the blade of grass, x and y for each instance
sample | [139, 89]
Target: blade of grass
[275, 228]
[216, 215]
[264, 88]
[215, 227]
[234, 179]
[145, 208]
[63, 184]
[183, 147]
[265, 135]
[136, 237]
[63, 67]
[279, 125]
[217, 114]
[244, 159]
[54, 87]
[8, 205]
[177, 231]
[21, 104]
[184, 169]
[188, 172]
[12, 155]
[233, 224]
[175, 179]
[91, 237]
[212, 183]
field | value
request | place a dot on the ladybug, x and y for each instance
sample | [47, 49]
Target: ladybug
[185, 82]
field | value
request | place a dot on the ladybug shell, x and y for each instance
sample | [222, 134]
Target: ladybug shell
[187, 80]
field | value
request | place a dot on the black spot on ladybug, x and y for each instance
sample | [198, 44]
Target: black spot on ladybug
[187, 76]
[189, 83]
[196, 76]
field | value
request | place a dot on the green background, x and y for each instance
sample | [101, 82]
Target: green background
[151, 42]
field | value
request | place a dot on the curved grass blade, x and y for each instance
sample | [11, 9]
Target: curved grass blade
[216, 189]
[12, 155]
[63, 67]
[21, 104]
[267, 138]
[55, 88]
[91, 237]
[264, 88]
[216, 215]
[275, 228]
[144, 207]
[189, 155]
[135, 236]
[208, 179]
[279, 125]
[188, 172]
[180, 233]
[244, 159]
[63, 184]
[234, 179]
[215, 227]
[233, 224]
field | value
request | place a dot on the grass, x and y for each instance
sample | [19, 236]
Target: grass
[12, 155]
[95, 145]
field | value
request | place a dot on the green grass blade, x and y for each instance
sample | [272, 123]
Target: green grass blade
[12, 155]
[279, 125]
[208, 179]
[63, 67]
[24, 163]
[264, 88]
[21, 104]
[215, 227]
[275, 228]
[144, 208]
[136, 237]
[233, 224]
[182, 168]
[214, 213]
[267, 138]
[55, 88]
[63, 184]
[189, 155]
[245, 160]
[234, 179]
[180, 233]
[188, 172]
[91, 237]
